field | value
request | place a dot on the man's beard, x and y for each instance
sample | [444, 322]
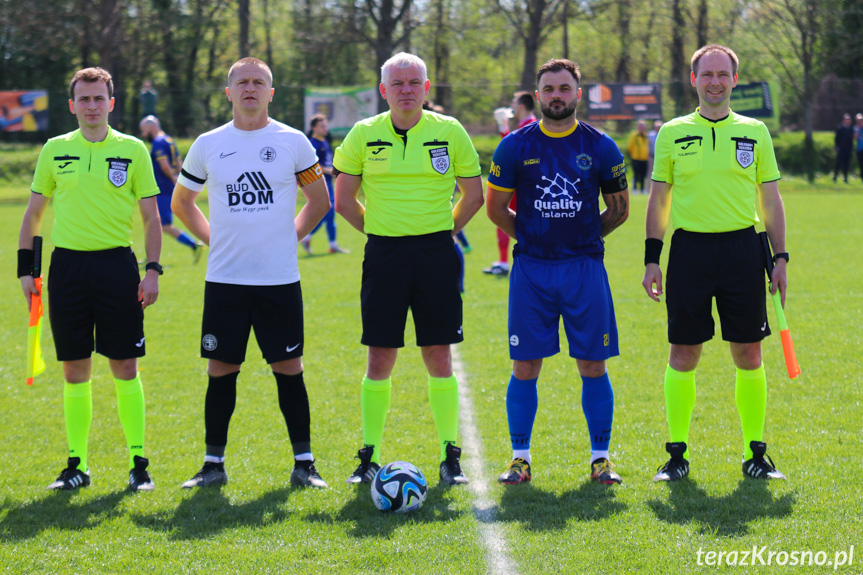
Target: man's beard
[149, 137]
[560, 114]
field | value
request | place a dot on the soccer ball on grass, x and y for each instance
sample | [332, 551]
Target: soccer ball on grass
[399, 487]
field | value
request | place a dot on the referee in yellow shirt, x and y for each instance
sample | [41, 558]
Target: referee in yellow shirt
[407, 162]
[709, 168]
[96, 176]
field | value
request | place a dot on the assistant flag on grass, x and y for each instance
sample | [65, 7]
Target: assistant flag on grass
[791, 364]
[35, 362]
[787, 344]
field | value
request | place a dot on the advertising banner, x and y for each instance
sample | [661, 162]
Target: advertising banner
[23, 111]
[343, 107]
[622, 101]
[757, 100]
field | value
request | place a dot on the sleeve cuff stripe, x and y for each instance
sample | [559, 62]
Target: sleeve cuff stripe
[500, 188]
[195, 179]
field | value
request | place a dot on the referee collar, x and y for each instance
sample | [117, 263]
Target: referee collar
[392, 126]
[716, 123]
[84, 141]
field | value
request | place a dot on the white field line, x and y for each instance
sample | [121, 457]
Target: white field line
[497, 553]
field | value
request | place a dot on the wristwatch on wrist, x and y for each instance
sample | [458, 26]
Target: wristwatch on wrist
[154, 266]
[783, 255]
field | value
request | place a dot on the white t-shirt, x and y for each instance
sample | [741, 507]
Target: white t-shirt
[251, 179]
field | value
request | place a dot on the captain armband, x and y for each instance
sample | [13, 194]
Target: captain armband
[310, 175]
[614, 185]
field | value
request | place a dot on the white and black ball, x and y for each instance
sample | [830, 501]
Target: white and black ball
[399, 487]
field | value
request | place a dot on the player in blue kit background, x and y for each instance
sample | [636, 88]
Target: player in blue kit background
[166, 166]
[319, 136]
[558, 168]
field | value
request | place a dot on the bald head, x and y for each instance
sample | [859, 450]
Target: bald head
[150, 127]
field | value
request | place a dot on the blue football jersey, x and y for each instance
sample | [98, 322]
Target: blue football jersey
[164, 147]
[325, 156]
[556, 179]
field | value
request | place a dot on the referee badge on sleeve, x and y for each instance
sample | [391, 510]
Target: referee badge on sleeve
[745, 151]
[118, 169]
[439, 159]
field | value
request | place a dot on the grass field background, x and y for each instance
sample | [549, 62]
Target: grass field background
[561, 523]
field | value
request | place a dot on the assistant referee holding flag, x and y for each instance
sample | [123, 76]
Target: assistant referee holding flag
[96, 176]
[408, 161]
[709, 167]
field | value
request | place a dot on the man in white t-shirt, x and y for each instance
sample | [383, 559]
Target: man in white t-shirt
[252, 168]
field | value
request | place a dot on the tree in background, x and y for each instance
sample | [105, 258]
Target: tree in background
[384, 25]
[478, 51]
[532, 21]
[800, 24]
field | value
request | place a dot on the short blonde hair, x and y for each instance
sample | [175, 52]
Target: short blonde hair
[253, 62]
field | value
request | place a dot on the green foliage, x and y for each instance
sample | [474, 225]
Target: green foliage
[473, 52]
[790, 153]
[18, 162]
[485, 147]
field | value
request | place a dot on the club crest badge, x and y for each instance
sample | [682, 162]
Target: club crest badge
[118, 170]
[267, 154]
[209, 342]
[439, 159]
[584, 162]
[745, 151]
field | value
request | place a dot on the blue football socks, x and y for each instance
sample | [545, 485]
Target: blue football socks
[522, 401]
[187, 240]
[597, 402]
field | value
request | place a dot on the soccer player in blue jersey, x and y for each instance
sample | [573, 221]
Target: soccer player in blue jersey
[558, 168]
[166, 166]
[318, 135]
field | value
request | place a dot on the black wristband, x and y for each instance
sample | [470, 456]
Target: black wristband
[782, 255]
[652, 251]
[25, 263]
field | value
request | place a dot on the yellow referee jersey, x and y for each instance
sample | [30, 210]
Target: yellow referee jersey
[408, 185]
[714, 169]
[95, 186]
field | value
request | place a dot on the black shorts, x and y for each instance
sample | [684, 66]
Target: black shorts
[416, 272]
[98, 291]
[728, 266]
[230, 311]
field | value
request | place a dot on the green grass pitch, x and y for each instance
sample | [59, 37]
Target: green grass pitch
[561, 523]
